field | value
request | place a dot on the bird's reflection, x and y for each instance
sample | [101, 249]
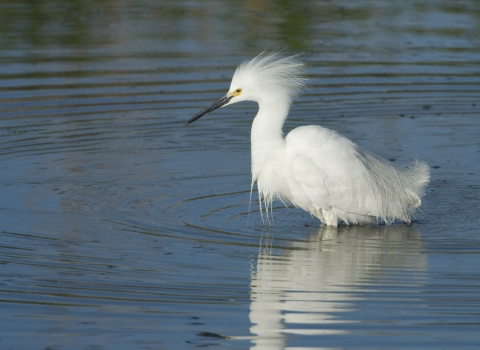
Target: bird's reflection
[305, 288]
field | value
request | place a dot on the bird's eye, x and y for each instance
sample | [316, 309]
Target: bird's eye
[238, 91]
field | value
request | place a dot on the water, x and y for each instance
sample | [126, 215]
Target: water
[123, 229]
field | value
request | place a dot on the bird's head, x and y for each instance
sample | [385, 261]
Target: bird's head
[265, 76]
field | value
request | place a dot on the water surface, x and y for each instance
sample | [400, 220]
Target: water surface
[121, 228]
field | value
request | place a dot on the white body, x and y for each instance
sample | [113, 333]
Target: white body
[314, 168]
[320, 171]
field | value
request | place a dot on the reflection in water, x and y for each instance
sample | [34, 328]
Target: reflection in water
[305, 289]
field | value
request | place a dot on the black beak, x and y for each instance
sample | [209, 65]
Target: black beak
[221, 102]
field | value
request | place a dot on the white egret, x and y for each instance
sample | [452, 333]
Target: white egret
[314, 168]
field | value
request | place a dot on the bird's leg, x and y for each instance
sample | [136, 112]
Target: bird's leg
[330, 217]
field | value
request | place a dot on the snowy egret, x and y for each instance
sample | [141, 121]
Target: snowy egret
[314, 168]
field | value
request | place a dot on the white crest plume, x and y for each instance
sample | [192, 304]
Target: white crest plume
[272, 72]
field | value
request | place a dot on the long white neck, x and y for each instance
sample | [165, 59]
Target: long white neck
[267, 139]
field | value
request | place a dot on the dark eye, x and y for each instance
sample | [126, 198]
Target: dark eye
[238, 91]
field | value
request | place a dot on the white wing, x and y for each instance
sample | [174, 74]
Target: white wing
[329, 170]
[312, 179]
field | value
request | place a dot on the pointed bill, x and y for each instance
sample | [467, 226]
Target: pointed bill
[221, 102]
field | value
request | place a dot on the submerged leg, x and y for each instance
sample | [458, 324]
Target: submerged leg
[330, 217]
